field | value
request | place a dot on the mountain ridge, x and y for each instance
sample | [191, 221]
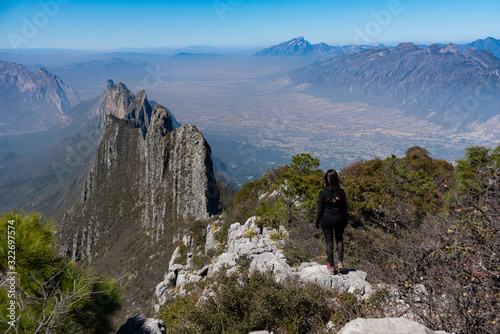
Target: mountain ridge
[300, 47]
[433, 83]
[33, 100]
[489, 43]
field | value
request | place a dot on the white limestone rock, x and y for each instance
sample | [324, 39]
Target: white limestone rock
[386, 325]
[211, 242]
[352, 281]
[186, 277]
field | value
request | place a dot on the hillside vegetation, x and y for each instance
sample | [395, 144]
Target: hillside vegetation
[418, 224]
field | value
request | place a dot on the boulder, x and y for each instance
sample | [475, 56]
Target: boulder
[162, 289]
[352, 281]
[211, 242]
[264, 252]
[386, 325]
[186, 277]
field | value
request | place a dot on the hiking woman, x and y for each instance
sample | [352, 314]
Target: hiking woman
[332, 216]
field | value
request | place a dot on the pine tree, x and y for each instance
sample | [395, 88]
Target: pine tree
[51, 293]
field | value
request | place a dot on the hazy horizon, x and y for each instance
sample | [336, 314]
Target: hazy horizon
[238, 24]
[232, 49]
[235, 100]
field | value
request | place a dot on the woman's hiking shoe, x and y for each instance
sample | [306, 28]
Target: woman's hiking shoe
[342, 270]
[332, 269]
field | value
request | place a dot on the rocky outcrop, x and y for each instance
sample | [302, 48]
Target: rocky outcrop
[263, 251]
[187, 164]
[386, 325]
[115, 100]
[145, 178]
[170, 170]
[142, 325]
[264, 254]
[33, 100]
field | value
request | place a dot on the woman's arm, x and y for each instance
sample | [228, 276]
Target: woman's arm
[344, 207]
[321, 208]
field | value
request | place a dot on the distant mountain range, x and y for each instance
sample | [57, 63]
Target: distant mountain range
[32, 100]
[491, 44]
[300, 47]
[84, 76]
[439, 83]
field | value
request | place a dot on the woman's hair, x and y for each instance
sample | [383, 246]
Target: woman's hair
[332, 179]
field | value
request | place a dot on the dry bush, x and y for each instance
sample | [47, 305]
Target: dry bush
[455, 257]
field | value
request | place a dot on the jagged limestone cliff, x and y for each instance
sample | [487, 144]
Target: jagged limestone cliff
[147, 179]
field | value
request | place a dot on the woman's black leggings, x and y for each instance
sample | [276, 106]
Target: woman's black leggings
[329, 227]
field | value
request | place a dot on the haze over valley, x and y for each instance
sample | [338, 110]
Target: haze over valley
[259, 109]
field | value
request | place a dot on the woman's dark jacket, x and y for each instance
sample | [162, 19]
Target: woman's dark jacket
[332, 205]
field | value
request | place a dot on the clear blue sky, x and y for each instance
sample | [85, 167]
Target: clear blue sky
[110, 24]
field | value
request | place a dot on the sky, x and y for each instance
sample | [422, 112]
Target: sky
[111, 24]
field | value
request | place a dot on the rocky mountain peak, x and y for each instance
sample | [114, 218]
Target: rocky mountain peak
[299, 41]
[43, 71]
[406, 47]
[295, 47]
[451, 48]
[139, 109]
[434, 49]
[294, 44]
[146, 180]
[114, 100]
[110, 83]
[161, 121]
[300, 48]
[470, 52]
[484, 58]
[489, 43]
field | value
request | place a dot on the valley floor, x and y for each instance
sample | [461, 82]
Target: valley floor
[262, 116]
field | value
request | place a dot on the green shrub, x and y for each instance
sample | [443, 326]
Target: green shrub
[267, 215]
[249, 232]
[279, 234]
[243, 262]
[199, 260]
[241, 303]
[183, 251]
[305, 243]
[197, 230]
[177, 309]
[53, 294]
[221, 234]
[397, 192]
